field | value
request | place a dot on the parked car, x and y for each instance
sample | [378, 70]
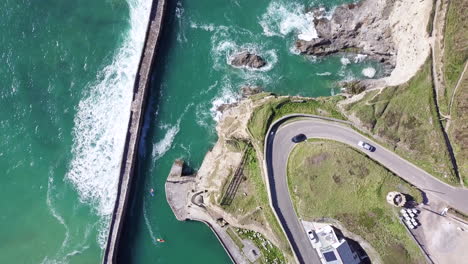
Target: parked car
[409, 224]
[366, 146]
[415, 211]
[312, 236]
[299, 138]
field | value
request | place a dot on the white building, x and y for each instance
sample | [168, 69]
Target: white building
[332, 250]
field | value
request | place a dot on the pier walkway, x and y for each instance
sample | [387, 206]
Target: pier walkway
[140, 92]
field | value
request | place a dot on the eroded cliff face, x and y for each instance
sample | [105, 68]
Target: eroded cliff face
[389, 31]
[363, 27]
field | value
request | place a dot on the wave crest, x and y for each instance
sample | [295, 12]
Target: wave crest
[282, 19]
[102, 119]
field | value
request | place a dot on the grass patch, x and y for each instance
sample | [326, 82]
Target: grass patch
[456, 48]
[235, 237]
[236, 144]
[405, 117]
[354, 87]
[251, 201]
[225, 185]
[270, 253]
[330, 180]
[458, 130]
[455, 56]
[264, 115]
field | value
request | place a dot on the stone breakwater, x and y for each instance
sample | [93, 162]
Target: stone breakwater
[140, 92]
[187, 203]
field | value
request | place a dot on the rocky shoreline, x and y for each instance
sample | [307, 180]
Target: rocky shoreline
[362, 27]
[388, 31]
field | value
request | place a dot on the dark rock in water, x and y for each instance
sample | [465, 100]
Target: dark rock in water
[225, 107]
[247, 91]
[318, 46]
[248, 59]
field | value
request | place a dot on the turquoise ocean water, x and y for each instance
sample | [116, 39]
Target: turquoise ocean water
[67, 74]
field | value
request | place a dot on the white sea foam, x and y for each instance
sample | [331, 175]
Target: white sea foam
[294, 50]
[369, 72]
[162, 146]
[55, 214]
[103, 230]
[102, 118]
[345, 61]
[74, 249]
[148, 224]
[227, 96]
[323, 73]
[227, 49]
[281, 19]
[327, 14]
[206, 27]
[359, 58]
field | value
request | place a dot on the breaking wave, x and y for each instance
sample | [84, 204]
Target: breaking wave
[226, 49]
[227, 96]
[369, 72]
[282, 19]
[162, 146]
[345, 61]
[102, 118]
[323, 74]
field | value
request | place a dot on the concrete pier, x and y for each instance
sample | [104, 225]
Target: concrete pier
[187, 203]
[140, 92]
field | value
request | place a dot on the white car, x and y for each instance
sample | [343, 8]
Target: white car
[366, 146]
[409, 225]
[414, 211]
[311, 235]
[414, 222]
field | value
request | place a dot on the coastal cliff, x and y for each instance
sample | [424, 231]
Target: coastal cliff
[388, 31]
[246, 217]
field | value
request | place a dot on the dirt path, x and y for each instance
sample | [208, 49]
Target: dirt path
[437, 48]
[460, 80]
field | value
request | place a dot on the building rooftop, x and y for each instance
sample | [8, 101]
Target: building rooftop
[331, 249]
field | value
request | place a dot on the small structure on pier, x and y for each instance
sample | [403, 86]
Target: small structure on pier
[179, 190]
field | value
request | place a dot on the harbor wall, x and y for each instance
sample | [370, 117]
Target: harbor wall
[130, 152]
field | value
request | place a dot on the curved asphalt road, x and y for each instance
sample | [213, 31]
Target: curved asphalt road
[279, 146]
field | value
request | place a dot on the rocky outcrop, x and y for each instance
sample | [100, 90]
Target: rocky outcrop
[361, 27]
[247, 91]
[247, 59]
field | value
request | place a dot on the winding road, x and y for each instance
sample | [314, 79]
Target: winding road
[278, 146]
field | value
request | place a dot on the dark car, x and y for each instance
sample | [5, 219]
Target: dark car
[366, 146]
[299, 138]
